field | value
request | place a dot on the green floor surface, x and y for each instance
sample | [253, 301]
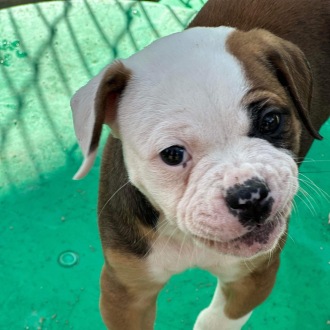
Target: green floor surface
[50, 254]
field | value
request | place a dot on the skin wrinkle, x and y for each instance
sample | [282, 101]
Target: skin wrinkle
[185, 219]
[191, 200]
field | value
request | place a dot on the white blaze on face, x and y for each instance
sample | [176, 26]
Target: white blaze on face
[187, 90]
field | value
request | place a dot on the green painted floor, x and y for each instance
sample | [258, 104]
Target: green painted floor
[50, 254]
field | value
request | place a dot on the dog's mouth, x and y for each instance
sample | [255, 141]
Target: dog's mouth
[260, 239]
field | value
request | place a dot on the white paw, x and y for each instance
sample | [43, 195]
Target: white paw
[211, 319]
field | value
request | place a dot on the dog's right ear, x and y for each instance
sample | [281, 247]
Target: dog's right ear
[96, 104]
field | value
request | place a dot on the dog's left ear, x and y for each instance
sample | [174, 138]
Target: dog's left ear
[292, 70]
[96, 104]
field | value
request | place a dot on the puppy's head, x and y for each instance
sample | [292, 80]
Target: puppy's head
[209, 120]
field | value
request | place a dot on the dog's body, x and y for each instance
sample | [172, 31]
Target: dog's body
[208, 127]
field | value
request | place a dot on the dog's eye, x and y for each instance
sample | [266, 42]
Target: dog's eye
[174, 155]
[270, 122]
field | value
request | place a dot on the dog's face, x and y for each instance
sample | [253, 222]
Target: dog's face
[209, 127]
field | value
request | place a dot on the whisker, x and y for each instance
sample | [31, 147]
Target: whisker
[310, 183]
[294, 207]
[307, 196]
[113, 195]
[152, 230]
[174, 231]
[292, 239]
[159, 237]
[310, 208]
[180, 251]
[270, 257]
[311, 160]
[247, 266]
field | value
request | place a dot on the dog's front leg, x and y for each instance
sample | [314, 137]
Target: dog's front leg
[128, 299]
[233, 302]
[214, 317]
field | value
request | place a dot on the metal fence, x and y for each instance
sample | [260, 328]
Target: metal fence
[47, 51]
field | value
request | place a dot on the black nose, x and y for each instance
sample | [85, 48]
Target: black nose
[250, 201]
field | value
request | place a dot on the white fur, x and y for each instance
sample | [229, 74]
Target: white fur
[173, 252]
[213, 317]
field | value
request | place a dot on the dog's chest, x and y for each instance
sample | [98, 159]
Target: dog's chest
[171, 254]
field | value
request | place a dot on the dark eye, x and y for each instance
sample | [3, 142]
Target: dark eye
[270, 122]
[174, 155]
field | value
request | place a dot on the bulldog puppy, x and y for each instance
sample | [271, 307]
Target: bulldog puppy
[208, 126]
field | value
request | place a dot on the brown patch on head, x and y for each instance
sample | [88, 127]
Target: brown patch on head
[289, 20]
[278, 72]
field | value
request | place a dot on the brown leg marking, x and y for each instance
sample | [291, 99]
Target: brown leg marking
[128, 295]
[244, 295]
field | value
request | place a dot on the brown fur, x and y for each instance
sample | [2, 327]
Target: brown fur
[126, 219]
[245, 294]
[128, 299]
